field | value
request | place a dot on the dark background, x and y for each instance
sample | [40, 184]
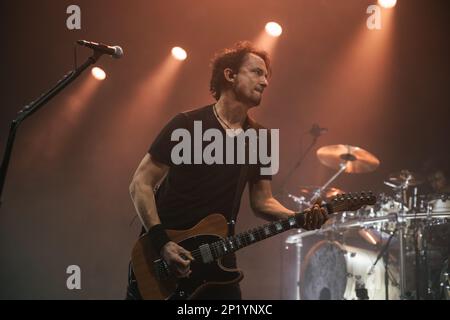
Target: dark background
[66, 195]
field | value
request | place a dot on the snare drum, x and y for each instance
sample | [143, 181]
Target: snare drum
[333, 271]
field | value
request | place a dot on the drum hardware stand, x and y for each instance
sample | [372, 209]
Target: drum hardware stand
[444, 292]
[413, 200]
[417, 260]
[318, 193]
[400, 195]
[401, 231]
[423, 254]
[385, 254]
[298, 247]
[303, 203]
[429, 290]
[421, 260]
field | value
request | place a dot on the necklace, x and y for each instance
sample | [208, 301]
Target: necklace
[230, 131]
[220, 119]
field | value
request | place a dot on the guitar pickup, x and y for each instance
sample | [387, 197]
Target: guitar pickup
[205, 252]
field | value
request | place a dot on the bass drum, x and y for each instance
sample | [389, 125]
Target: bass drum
[333, 271]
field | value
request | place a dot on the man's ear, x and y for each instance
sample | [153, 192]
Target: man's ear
[229, 75]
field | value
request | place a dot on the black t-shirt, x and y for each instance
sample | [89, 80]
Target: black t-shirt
[190, 192]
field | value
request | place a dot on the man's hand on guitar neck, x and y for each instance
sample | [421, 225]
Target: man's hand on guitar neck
[178, 259]
[315, 217]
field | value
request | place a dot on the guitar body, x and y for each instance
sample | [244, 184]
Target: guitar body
[156, 287]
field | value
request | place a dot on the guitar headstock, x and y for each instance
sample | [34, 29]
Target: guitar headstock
[350, 201]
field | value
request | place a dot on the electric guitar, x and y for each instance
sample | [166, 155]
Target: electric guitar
[208, 242]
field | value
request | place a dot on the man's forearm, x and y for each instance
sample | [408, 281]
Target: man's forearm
[272, 210]
[145, 205]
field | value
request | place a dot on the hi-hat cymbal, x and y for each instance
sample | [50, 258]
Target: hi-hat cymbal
[413, 179]
[357, 160]
[327, 192]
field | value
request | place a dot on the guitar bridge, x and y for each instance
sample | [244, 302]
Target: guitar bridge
[161, 269]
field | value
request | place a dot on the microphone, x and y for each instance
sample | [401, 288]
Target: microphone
[317, 131]
[115, 52]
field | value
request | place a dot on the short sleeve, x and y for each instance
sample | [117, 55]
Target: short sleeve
[161, 147]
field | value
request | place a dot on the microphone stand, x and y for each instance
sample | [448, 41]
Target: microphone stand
[299, 162]
[34, 106]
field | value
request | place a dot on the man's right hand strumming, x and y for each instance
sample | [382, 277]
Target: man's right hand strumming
[178, 259]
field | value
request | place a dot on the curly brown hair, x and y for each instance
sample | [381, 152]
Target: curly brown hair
[231, 58]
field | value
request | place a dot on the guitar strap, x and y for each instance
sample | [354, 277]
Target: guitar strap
[242, 180]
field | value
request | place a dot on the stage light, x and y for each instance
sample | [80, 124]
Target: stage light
[179, 53]
[273, 29]
[98, 73]
[387, 3]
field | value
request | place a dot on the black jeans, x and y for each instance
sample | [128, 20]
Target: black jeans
[216, 292]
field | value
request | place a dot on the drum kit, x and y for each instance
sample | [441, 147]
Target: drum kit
[397, 249]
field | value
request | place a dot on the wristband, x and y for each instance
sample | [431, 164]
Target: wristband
[158, 237]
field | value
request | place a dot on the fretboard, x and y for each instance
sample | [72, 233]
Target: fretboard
[231, 244]
[220, 248]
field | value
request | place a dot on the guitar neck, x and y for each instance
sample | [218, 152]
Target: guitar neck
[233, 243]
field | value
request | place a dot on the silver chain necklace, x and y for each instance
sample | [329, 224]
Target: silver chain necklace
[218, 117]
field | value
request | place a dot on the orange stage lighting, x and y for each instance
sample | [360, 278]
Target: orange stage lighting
[62, 128]
[268, 37]
[273, 29]
[387, 3]
[179, 53]
[98, 73]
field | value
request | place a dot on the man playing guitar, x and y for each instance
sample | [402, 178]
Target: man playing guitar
[187, 193]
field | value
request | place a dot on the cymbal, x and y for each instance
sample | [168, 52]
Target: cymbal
[327, 192]
[414, 179]
[357, 160]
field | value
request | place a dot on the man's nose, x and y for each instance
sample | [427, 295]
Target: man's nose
[264, 82]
